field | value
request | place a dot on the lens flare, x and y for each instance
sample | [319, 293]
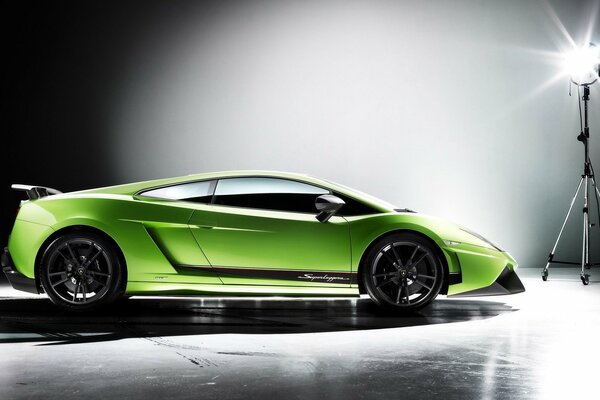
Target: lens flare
[582, 64]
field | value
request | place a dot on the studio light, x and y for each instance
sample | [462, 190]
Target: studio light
[583, 64]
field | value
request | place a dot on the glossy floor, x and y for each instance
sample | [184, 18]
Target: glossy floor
[537, 345]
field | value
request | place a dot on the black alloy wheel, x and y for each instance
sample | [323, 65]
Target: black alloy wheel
[81, 271]
[403, 272]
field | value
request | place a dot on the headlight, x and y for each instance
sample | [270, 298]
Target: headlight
[478, 236]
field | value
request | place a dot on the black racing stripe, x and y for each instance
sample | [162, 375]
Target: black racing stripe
[344, 278]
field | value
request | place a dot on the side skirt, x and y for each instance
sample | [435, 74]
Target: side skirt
[178, 289]
[309, 276]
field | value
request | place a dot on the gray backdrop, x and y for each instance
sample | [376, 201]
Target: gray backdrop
[452, 108]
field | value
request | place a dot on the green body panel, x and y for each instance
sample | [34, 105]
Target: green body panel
[181, 247]
[25, 238]
[248, 238]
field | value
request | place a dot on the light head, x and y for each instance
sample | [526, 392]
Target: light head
[583, 64]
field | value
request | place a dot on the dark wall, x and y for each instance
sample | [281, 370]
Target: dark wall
[61, 59]
[61, 62]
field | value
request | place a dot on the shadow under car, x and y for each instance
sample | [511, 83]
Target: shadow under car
[38, 320]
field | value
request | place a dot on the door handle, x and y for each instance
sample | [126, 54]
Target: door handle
[205, 226]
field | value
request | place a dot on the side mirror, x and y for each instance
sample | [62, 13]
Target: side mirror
[327, 205]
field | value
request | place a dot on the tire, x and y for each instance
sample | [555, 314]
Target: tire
[81, 271]
[403, 272]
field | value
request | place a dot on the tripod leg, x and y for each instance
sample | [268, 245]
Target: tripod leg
[597, 192]
[585, 278]
[551, 256]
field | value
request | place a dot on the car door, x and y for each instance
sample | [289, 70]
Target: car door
[266, 233]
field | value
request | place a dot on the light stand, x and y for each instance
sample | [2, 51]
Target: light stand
[586, 179]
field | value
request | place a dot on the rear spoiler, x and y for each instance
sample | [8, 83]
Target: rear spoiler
[35, 192]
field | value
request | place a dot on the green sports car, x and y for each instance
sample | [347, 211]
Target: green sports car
[243, 233]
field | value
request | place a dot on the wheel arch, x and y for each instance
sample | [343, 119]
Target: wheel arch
[77, 229]
[435, 246]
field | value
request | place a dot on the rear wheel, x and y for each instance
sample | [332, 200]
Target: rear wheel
[81, 271]
[403, 272]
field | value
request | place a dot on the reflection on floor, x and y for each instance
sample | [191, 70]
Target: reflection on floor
[527, 346]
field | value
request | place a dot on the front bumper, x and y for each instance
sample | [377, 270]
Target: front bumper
[15, 278]
[507, 283]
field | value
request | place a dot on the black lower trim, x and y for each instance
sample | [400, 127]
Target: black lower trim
[454, 278]
[15, 278]
[346, 278]
[507, 283]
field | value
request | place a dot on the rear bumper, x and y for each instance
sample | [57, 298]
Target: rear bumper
[507, 283]
[16, 279]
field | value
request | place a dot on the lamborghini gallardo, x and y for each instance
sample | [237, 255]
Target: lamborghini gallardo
[246, 233]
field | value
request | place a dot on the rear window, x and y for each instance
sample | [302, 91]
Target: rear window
[198, 192]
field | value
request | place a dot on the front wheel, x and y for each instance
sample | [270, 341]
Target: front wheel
[81, 271]
[402, 272]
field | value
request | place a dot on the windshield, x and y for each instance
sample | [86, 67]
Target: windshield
[363, 196]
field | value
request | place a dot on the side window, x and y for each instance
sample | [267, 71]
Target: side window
[198, 192]
[268, 193]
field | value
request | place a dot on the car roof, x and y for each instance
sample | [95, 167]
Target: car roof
[136, 187]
